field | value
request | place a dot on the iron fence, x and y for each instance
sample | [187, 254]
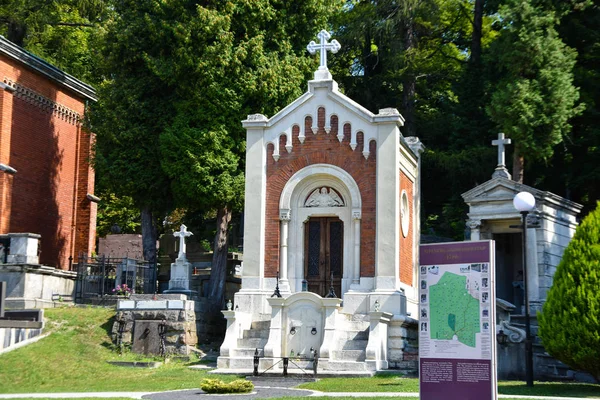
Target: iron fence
[100, 276]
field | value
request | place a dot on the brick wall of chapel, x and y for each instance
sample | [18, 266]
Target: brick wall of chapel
[322, 148]
[50, 152]
[406, 243]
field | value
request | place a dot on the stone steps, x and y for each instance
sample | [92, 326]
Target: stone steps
[255, 343]
[260, 325]
[342, 365]
[354, 335]
[354, 345]
[349, 355]
[246, 352]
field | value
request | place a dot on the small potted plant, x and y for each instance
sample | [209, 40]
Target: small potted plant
[123, 290]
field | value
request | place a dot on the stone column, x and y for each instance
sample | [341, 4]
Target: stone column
[273, 348]
[331, 307]
[475, 226]
[376, 351]
[284, 284]
[533, 275]
[387, 228]
[356, 216]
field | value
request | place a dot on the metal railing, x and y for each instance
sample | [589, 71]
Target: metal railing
[100, 276]
[286, 361]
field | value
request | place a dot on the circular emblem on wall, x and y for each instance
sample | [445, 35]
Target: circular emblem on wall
[404, 213]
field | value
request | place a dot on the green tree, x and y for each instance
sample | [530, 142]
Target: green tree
[570, 319]
[534, 97]
[62, 32]
[179, 78]
[575, 167]
[116, 214]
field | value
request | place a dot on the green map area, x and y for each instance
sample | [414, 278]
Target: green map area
[453, 311]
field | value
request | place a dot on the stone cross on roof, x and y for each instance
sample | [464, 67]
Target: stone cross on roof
[182, 234]
[323, 47]
[501, 170]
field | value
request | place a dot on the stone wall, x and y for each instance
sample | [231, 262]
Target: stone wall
[36, 286]
[139, 319]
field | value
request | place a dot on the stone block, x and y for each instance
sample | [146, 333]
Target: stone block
[151, 304]
[176, 304]
[125, 304]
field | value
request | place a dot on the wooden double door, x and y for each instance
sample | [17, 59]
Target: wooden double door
[324, 255]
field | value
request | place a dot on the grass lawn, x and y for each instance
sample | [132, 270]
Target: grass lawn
[393, 383]
[73, 359]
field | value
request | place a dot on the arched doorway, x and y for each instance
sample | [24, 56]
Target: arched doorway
[320, 211]
[324, 255]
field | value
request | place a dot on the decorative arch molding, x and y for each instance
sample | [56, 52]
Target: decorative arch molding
[293, 213]
[316, 173]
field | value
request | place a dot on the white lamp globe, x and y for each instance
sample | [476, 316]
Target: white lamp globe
[524, 202]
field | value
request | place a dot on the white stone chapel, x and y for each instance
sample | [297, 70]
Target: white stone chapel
[332, 226]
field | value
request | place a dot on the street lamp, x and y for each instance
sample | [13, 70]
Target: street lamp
[524, 202]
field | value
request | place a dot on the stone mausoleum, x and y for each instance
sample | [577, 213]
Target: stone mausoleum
[550, 227]
[331, 226]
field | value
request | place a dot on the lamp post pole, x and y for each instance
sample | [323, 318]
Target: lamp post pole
[528, 339]
[524, 202]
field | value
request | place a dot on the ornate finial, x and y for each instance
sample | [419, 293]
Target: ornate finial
[182, 234]
[501, 170]
[323, 47]
[229, 305]
[377, 306]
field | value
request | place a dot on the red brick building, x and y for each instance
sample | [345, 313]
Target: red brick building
[46, 181]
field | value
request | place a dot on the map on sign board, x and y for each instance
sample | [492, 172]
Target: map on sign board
[454, 310]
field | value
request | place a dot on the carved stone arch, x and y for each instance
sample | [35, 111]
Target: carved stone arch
[310, 176]
[292, 202]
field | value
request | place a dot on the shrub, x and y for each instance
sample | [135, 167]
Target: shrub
[569, 324]
[218, 386]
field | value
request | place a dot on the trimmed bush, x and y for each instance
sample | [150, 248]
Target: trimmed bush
[569, 324]
[218, 386]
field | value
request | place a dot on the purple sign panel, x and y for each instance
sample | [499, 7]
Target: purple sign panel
[451, 379]
[457, 334]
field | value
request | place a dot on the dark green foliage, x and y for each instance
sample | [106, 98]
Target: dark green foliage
[570, 320]
[62, 32]
[533, 97]
[116, 212]
[218, 386]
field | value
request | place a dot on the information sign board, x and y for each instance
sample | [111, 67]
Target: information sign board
[457, 315]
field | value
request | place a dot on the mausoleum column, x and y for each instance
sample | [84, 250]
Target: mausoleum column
[356, 216]
[533, 276]
[284, 217]
[254, 206]
[475, 227]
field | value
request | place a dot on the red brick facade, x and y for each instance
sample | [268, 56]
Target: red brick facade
[322, 148]
[406, 243]
[42, 138]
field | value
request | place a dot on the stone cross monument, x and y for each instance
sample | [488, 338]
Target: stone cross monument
[501, 171]
[181, 269]
[182, 234]
[323, 47]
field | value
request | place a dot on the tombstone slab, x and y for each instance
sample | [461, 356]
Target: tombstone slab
[146, 339]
